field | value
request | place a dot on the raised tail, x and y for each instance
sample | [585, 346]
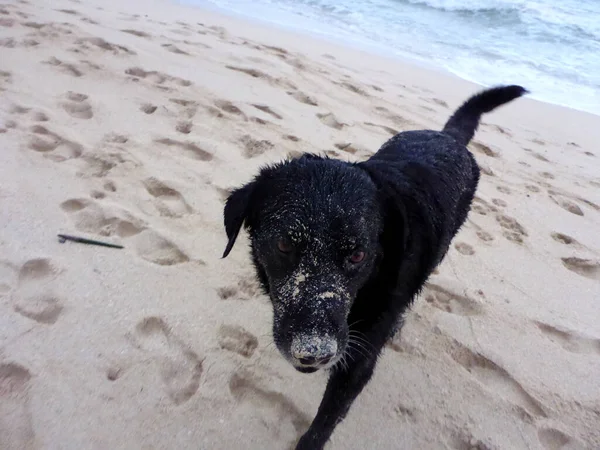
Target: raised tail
[465, 120]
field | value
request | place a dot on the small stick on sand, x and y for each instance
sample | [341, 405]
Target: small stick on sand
[65, 237]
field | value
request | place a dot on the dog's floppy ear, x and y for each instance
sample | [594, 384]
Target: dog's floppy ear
[236, 212]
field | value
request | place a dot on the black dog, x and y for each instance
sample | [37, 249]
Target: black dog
[342, 249]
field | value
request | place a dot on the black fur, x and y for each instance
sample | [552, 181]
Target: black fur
[343, 249]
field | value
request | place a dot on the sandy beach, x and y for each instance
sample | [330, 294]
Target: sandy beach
[130, 122]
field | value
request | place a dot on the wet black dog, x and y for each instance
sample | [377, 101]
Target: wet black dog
[342, 249]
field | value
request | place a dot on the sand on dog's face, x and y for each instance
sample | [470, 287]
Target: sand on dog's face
[132, 124]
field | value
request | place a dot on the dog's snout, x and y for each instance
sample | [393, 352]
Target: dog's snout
[313, 350]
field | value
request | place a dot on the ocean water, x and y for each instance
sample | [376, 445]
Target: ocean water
[552, 47]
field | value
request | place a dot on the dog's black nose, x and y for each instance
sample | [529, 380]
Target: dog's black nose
[312, 360]
[313, 351]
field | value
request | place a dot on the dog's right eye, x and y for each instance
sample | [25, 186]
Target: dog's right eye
[284, 246]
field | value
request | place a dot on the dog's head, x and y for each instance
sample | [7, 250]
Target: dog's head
[315, 228]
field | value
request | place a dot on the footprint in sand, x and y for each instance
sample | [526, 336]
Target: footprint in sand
[137, 33]
[538, 156]
[98, 195]
[511, 229]
[184, 127]
[566, 204]
[553, 439]
[90, 217]
[148, 108]
[169, 201]
[464, 249]
[100, 163]
[268, 110]
[254, 73]
[18, 109]
[259, 121]
[52, 145]
[497, 380]
[564, 239]
[76, 105]
[187, 108]
[451, 302]
[174, 49]
[533, 188]
[158, 78]
[68, 11]
[255, 147]
[303, 98]
[35, 116]
[353, 88]
[237, 339]
[40, 116]
[191, 149]
[246, 289]
[35, 294]
[484, 236]
[589, 268]
[6, 78]
[115, 138]
[463, 439]
[16, 426]
[230, 108]
[12, 43]
[570, 340]
[484, 149]
[390, 130]
[109, 186]
[486, 170]
[538, 142]
[482, 207]
[331, 121]
[85, 45]
[65, 67]
[180, 368]
[499, 202]
[157, 249]
[8, 125]
[348, 147]
[273, 408]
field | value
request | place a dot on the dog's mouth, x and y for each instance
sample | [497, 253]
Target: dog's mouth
[307, 369]
[314, 367]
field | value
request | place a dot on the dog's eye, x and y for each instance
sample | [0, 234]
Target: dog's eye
[357, 256]
[284, 246]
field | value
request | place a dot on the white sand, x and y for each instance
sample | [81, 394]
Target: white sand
[129, 121]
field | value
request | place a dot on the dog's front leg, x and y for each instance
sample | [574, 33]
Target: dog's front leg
[343, 387]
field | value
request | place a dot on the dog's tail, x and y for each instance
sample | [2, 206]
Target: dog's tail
[464, 122]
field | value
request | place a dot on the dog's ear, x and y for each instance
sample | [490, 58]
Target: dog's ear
[236, 211]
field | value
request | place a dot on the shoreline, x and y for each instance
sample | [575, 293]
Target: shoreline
[374, 49]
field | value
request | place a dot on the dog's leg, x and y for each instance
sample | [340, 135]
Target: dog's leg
[343, 387]
[345, 384]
